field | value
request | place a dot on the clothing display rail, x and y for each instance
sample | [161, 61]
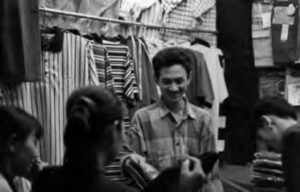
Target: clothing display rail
[104, 19]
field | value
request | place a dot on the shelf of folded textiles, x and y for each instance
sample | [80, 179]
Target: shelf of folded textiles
[267, 173]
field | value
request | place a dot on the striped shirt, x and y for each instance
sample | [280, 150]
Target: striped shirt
[65, 71]
[156, 134]
[104, 69]
[125, 84]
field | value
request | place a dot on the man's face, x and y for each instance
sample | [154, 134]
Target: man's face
[173, 82]
[269, 132]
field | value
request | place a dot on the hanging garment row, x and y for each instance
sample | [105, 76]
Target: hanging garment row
[154, 19]
[120, 64]
[71, 60]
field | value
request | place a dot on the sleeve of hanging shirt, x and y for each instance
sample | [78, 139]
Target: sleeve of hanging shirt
[131, 9]
[130, 86]
[202, 6]
[92, 69]
[200, 89]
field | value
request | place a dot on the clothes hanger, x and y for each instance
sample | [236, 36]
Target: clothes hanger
[201, 42]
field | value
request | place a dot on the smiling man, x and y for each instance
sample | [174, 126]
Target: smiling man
[171, 129]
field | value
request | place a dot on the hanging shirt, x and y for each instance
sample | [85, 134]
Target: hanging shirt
[71, 68]
[191, 14]
[104, 70]
[123, 71]
[130, 10]
[125, 85]
[19, 41]
[144, 70]
[103, 8]
[200, 91]
[285, 32]
[153, 15]
[169, 5]
[216, 74]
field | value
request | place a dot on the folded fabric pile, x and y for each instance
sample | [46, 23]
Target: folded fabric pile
[267, 174]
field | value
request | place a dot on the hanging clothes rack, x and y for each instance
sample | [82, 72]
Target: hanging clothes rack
[104, 19]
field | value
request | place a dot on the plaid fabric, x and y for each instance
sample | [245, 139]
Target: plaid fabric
[153, 16]
[185, 15]
[209, 22]
[156, 134]
[201, 6]
[169, 5]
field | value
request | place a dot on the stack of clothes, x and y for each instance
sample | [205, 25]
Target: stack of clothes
[267, 173]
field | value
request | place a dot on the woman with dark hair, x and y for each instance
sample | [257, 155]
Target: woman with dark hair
[19, 135]
[93, 137]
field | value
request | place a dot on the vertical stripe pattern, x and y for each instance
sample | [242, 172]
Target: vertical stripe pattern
[65, 71]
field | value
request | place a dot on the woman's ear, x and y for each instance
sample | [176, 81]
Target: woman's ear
[266, 123]
[11, 143]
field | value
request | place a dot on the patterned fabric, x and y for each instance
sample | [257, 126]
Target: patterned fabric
[153, 16]
[65, 71]
[144, 71]
[113, 171]
[104, 70]
[186, 15]
[122, 71]
[131, 9]
[103, 8]
[169, 5]
[164, 142]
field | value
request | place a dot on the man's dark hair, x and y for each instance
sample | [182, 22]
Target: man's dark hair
[172, 56]
[275, 106]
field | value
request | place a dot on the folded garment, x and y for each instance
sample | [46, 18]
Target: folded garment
[262, 180]
[268, 155]
[271, 172]
[265, 163]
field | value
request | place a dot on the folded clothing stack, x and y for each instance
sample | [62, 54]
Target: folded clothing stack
[267, 174]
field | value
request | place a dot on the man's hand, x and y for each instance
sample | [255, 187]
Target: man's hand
[192, 176]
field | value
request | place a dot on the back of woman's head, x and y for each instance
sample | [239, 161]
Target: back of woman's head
[90, 111]
[16, 123]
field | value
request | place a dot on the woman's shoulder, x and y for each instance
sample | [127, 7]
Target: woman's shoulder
[110, 186]
[4, 186]
[58, 179]
[49, 178]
